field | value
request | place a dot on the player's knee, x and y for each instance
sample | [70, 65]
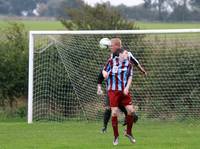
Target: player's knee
[114, 112]
[130, 110]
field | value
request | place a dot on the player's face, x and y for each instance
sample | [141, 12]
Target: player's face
[114, 46]
[123, 56]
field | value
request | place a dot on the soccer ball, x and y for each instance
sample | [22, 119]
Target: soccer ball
[104, 43]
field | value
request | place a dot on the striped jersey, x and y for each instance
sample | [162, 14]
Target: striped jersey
[131, 58]
[119, 72]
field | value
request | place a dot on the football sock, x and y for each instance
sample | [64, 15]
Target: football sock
[135, 117]
[106, 117]
[115, 126]
[129, 120]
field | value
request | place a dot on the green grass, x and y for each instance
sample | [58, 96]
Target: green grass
[158, 25]
[37, 25]
[56, 25]
[83, 135]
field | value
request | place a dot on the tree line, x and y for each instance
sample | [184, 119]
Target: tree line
[149, 10]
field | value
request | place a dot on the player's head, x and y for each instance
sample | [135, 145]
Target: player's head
[123, 54]
[116, 43]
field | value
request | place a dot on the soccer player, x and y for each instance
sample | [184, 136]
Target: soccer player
[118, 74]
[107, 112]
[116, 42]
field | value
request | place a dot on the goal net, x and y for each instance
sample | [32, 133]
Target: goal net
[64, 65]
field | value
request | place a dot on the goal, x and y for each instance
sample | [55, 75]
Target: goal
[64, 65]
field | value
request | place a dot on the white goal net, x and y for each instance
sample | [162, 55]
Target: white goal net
[64, 66]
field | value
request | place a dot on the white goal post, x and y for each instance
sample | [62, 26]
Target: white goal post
[186, 42]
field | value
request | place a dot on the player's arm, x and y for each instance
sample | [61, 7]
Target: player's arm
[106, 69]
[126, 89]
[141, 69]
[100, 80]
[130, 76]
[101, 77]
[133, 60]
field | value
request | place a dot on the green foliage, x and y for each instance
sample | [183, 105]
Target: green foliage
[172, 86]
[14, 63]
[21, 112]
[100, 17]
[7, 114]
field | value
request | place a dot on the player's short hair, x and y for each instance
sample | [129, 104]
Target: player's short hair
[117, 41]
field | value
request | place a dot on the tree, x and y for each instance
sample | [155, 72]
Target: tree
[102, 16]
[14, 63]
[158, 5]
[18, 6]
[196, 9]
[4, 5]
[147, 3]
[195, 3]
[180, 11]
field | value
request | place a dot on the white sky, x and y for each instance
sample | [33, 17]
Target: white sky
[116, 2]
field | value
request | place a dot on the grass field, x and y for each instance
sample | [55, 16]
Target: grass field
[37, 25]
[84, 135]
[157, 25]
[56, 25]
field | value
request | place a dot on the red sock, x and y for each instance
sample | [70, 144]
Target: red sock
[115, 126]
[129, 120]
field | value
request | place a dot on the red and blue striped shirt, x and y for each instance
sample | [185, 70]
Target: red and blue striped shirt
[119, 73]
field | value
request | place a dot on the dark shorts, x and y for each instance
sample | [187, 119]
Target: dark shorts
[117, 98]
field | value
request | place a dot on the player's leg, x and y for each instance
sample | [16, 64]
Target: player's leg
[106, 118]
[107, 114]
[114, 102]
[130, 119]
[127, 102]
[115, 112]
[135, 116]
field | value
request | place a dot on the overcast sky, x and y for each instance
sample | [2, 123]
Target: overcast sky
[116, 2]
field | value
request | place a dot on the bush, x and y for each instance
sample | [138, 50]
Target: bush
[14, 64]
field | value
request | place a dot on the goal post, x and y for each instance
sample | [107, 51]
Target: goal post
[64, 65]
[30, 80]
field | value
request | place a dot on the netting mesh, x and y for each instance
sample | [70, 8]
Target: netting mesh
[66, 69]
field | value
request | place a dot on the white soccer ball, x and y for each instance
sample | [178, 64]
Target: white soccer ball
[104, 43]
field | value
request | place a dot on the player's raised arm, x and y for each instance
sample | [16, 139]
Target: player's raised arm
[133, 60]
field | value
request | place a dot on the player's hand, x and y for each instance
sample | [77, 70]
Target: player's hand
[145, 73]
[105, 74]
[125, 91]
[99, 90]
